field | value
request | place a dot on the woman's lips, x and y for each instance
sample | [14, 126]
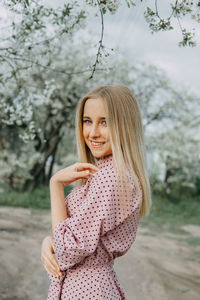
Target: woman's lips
[97, 144]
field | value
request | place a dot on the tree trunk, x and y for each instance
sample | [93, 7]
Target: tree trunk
[38, 170]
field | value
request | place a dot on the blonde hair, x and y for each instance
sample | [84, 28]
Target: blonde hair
[126, 138]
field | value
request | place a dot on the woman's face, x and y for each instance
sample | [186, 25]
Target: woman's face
[95, 129]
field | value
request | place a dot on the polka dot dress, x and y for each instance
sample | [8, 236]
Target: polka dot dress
[87, 243]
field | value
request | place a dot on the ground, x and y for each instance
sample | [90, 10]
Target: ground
[160, 264]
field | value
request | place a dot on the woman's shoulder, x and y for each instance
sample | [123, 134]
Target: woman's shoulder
[109, 172]
[106, 172]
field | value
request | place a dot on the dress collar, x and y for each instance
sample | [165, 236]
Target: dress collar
[105, 161]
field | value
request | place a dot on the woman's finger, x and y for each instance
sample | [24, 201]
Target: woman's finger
[50, 258]
[84, 174]
[50, 270]
[51, 267]
[87, 166]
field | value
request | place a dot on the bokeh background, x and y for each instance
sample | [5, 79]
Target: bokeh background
[51, 54]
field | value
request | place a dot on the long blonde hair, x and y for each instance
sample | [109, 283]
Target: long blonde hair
[126, 138]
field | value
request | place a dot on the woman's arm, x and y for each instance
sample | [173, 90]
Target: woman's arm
[57, 183]
[58, 208]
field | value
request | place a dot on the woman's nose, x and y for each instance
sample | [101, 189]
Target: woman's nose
[94, 131]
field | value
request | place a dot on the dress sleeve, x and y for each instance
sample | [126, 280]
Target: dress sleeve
[77, 236]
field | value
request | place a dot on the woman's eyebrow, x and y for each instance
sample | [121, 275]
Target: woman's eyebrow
[86, 117]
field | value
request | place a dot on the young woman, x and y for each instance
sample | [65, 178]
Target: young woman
[98, 220]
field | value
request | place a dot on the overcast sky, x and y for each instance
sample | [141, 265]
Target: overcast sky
[128, 32]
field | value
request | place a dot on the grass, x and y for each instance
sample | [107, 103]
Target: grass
[172, 215]
[169, 216]
[38, 199]
[164, 213]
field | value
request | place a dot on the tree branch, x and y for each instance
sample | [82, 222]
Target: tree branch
[100, 42]
[48, 68]
[174, 8]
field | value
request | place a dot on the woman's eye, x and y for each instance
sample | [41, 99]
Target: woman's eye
[89, 122]
[86, 121]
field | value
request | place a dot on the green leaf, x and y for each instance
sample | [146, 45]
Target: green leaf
[104, 10]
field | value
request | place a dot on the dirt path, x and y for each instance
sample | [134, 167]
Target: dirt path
[158, 266]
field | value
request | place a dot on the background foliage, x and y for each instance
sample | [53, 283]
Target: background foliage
[45, 70]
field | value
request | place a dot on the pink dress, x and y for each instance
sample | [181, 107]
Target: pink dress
[87, 243]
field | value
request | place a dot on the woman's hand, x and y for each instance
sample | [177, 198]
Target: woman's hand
[48, 260]
[74, 172]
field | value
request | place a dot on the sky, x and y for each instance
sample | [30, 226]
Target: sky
[127, 32]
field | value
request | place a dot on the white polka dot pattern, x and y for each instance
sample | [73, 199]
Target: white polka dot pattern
[95, 233]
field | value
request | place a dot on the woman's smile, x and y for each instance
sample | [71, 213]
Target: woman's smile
[97, 144]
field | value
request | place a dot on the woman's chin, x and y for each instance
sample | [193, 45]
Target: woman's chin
[99, 154]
